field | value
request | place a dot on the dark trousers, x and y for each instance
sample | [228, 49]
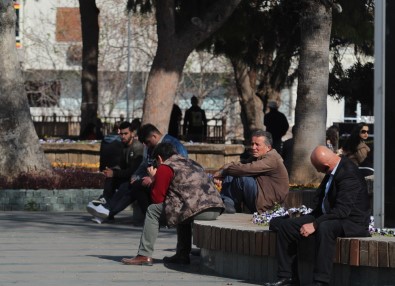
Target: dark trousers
[318, 249]
[111, 185]
[238, 190]
[184, 239]
[184, 230]
[127, 194]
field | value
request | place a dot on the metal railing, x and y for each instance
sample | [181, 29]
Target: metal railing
[69, 127]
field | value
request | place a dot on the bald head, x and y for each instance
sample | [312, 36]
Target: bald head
[323, 159]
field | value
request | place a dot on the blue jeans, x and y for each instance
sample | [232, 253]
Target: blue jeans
[237, 190]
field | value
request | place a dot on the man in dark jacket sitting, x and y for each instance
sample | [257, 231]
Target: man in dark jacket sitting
[130, 157]
[342, 211]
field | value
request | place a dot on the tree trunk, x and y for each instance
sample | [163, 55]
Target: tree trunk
[90, 53]
[251, 104]
[311, 106]
[175, 42]
[163, 79]
[20, 150]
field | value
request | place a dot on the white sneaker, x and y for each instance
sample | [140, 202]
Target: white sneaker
[97, 211]
[97, 220]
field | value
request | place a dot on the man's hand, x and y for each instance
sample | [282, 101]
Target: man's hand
[146, 181]
[217, 175]
[217, 178]
[108, 173]
[151, 171]
[217, 182]
[307, 229]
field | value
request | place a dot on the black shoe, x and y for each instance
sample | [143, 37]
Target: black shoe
[283, 282]
[177, 259]
[195, 252]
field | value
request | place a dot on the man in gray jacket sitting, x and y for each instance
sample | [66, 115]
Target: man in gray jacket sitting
[257, 183]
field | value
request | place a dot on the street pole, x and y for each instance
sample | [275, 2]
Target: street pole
[128, 85]
[379, 110]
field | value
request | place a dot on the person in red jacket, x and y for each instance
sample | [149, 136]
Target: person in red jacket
[181, 192]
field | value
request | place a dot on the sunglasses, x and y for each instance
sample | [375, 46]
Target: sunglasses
[364, 131]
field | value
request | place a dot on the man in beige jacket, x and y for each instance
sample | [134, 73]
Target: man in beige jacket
[257, 183]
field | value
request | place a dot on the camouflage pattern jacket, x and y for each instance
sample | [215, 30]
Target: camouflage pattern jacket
[191, 191]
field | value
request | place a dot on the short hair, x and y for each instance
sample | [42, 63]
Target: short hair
[165, 150]
[260, 133]
[124, 125]
[194, 100]
[135, 124]
[146, 130]
[116, 126]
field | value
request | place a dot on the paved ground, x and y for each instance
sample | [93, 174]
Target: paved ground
[66, 248]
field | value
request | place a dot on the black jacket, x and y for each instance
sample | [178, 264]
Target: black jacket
[347, 200]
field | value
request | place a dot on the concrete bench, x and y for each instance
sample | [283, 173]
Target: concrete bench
[233, 246]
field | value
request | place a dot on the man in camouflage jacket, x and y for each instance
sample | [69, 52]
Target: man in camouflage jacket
[181, 192]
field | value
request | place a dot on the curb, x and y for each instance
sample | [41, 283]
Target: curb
[47, 200]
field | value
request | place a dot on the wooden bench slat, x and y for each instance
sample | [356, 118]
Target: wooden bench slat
[391, 253]
[373, 253]
[258, 243]
[223, 239]
[265, 244]
[240, 247]
[252, 243]
[246, 243]
[217, 238]
[228, 240]
[382, 254]
[234, 240]
[207, 237]
[272, 244]
[345, 251]
[354, 252]
[364, 253]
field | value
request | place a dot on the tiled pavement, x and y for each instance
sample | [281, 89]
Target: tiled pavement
[66, 248]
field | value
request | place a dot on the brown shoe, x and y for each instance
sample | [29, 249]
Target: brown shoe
[138, 260]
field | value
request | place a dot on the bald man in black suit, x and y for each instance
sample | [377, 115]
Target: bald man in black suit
[343, 210]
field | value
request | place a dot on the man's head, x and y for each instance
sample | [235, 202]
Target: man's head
[135, 124]
[261, 143]
[127, 133]
[323, 159]
[194, 101]
[272, 105]
[149, 135]
[163, 151]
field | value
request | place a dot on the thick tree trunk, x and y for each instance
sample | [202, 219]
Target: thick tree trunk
[90, 53]
[251, 104]
[311, 106]
[175, 42]
[162, 83]
[20, 150]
